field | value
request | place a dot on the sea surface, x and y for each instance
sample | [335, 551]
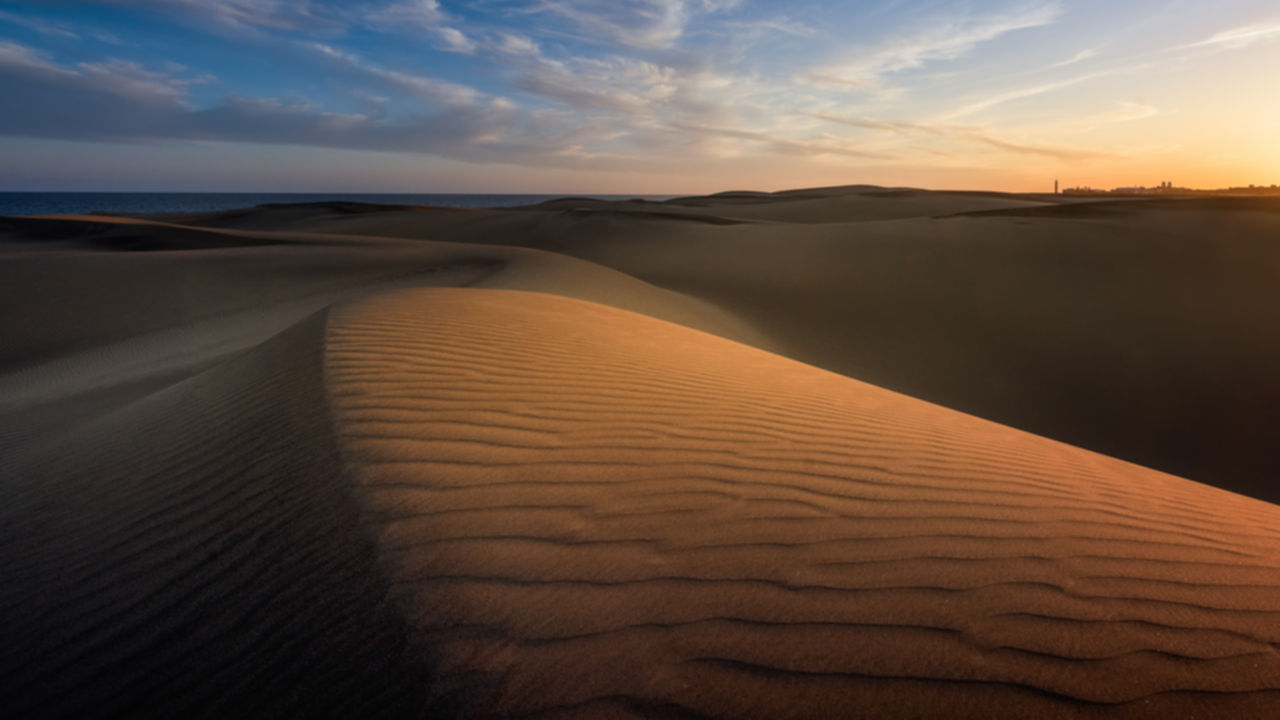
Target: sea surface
[75, 203]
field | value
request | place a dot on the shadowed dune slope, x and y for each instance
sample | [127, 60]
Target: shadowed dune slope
[543, 223]
[835, 205]
[198, 553]
[291, 216]
[76, 232]
[854, 204]
[590, 513]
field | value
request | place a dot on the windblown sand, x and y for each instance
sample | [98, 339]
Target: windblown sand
[344, 460]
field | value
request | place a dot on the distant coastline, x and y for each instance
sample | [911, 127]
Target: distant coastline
[128, 203]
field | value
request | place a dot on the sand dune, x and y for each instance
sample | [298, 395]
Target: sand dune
[547, 223]
[562, 461]
[591, 513]
[1140, 327]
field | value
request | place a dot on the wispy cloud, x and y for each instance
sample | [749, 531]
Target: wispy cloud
[971, 135]
[871, 124]
[124, 99]
[1077, 58]
[789, 146]
[236, 14]
[423, 16]
[111, 76]
[625, 85]
[1240, 37]
[1020, 93]
[945, 40]
[428, 88]
[1059, 153]
[42, 26]
[781, 24]
[1124, 112]
[131, 78]
[516, 44]
[635, 23]
[19, 56]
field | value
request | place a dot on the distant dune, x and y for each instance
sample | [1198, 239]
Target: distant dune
[1141, 328]
[632, 459]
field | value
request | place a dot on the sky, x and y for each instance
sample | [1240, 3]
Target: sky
[635, 96]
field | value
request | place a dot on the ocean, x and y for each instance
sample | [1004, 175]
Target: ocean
[75, 203]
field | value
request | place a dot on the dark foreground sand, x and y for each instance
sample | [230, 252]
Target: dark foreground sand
[557, 462]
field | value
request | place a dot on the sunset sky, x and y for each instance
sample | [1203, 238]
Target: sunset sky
[635, 96]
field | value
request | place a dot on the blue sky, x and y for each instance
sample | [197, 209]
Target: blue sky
[634, 95]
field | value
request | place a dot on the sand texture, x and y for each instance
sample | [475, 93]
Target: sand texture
[750, 455]
[591, 513]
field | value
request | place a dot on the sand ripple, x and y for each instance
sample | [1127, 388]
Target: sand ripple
[591, 513]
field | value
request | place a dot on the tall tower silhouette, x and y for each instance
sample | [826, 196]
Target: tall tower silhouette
[1055, 187]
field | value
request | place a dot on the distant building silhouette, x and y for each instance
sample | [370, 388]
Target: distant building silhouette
[1167, 187]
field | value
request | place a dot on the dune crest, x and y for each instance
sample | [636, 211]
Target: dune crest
[591, 513]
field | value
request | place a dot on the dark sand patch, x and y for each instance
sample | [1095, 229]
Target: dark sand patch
[199, 554]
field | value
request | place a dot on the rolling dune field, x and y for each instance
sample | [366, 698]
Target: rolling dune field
[822, 453]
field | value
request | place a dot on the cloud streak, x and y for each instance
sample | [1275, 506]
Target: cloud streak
[870, 124]
[1077, 58]
[430, 89]
[971, 135]
[1058, 153]
[235, 14]
[978, 106]
[788, 146]
[422, 16]
[1240, 37]
[44, 27]
[635, 23]
[936, 41]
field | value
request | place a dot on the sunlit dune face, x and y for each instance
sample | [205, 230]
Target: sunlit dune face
[578, 504]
